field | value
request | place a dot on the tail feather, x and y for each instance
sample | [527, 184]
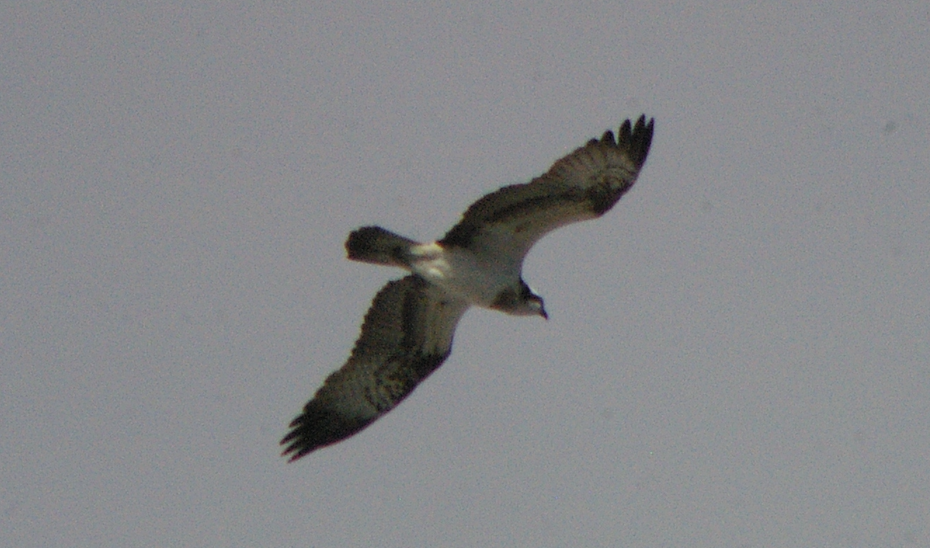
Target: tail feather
[373, 244]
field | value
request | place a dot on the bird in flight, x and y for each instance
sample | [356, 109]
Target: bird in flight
[407, 333]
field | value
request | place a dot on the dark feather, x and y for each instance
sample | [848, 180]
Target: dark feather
[407, 334]
[376, 245]
[583, 185]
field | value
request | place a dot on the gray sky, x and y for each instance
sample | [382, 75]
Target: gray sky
[737, 355]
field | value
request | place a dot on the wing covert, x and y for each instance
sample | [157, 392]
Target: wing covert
[583, 185]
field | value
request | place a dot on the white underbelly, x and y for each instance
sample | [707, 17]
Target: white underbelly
[458, 272]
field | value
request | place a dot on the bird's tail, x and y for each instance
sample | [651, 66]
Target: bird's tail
[373, 244]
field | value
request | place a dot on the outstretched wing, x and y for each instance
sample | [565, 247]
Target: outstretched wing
[583, 185]
[406, 335]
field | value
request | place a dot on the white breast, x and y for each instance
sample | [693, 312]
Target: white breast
[461, 273]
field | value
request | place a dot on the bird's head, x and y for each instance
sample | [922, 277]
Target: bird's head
[520, 301]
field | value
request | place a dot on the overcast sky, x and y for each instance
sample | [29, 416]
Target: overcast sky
[738, 354]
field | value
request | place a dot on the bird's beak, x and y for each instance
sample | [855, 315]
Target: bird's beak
[542, 312]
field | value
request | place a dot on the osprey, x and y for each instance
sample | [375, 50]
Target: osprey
[407, 333]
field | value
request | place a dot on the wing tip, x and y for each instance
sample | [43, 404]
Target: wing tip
[318, 426]
[636, 139]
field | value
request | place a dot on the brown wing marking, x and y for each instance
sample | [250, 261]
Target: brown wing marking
[583, 185]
